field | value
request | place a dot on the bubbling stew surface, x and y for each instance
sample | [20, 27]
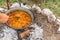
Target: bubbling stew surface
[19, 19]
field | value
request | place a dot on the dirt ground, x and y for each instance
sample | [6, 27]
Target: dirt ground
[53, 37]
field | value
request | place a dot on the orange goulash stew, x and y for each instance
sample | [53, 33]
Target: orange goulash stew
[19, 19]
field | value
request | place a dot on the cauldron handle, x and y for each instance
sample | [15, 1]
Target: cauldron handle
[8, 4]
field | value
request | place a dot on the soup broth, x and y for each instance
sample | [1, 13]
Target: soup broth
[19, 19]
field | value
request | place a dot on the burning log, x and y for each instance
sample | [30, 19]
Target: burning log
[25, 34]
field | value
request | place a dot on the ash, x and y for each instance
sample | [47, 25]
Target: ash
[7, 33]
